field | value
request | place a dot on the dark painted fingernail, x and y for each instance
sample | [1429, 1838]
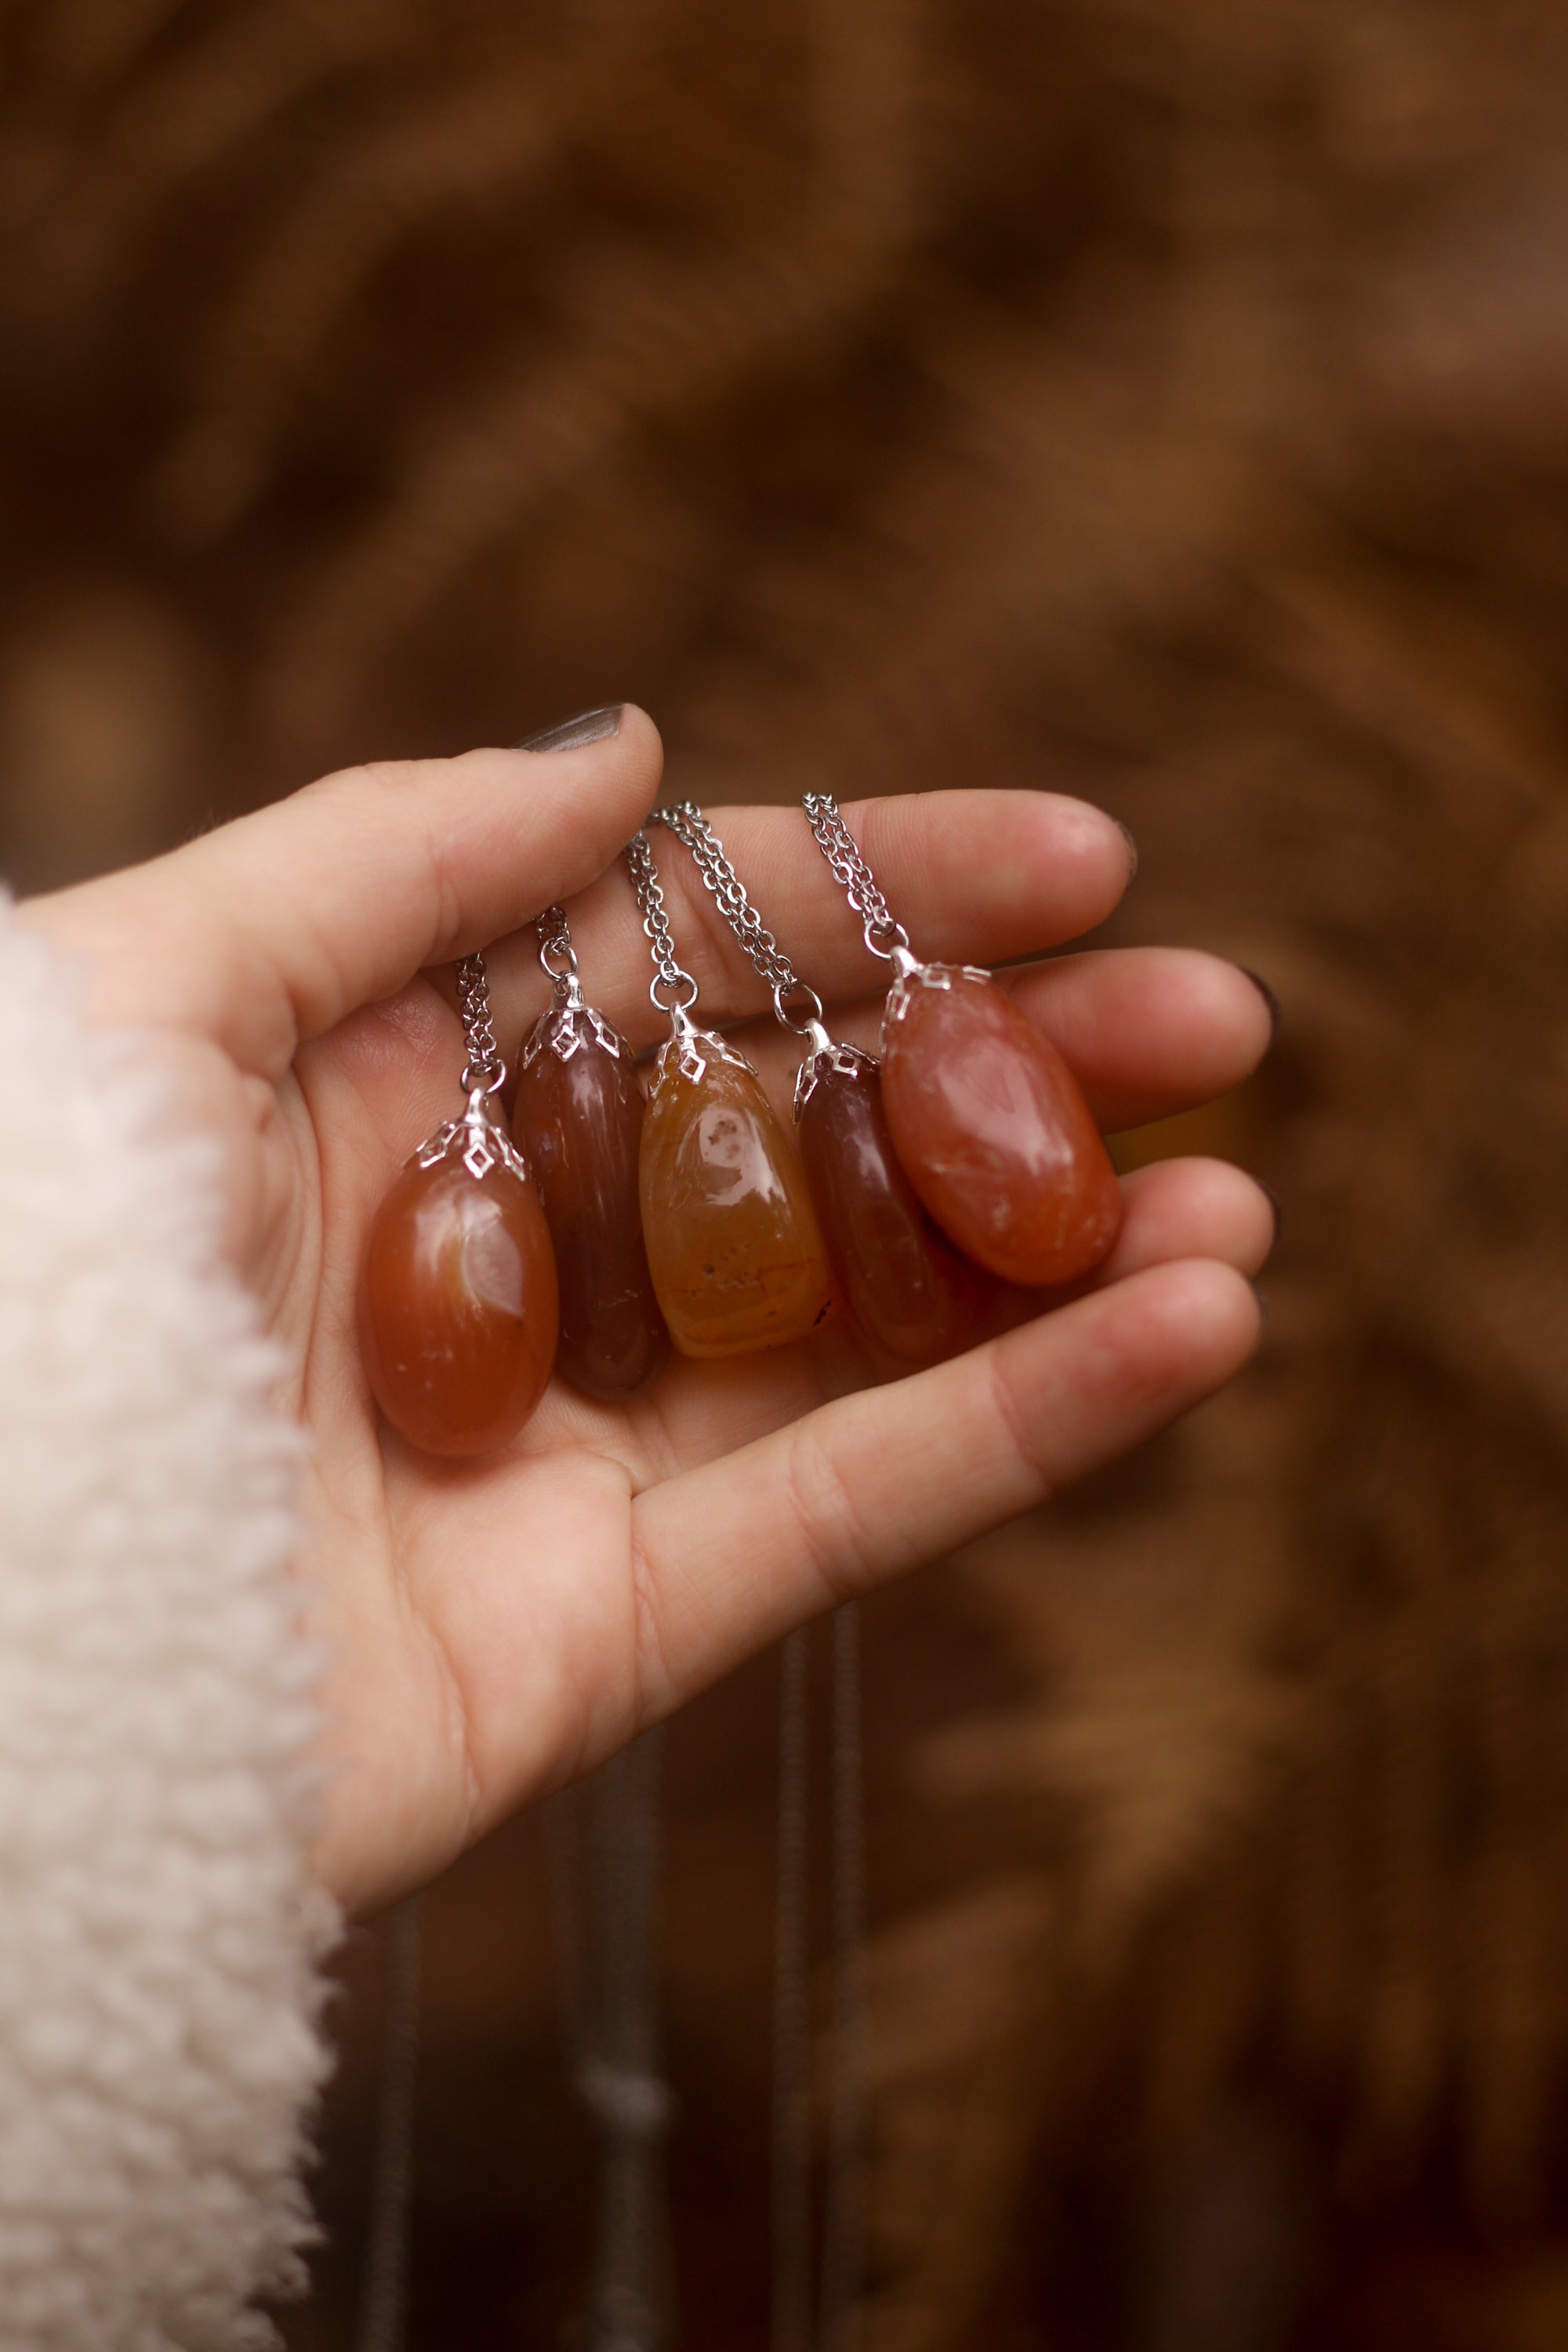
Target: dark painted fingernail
[588, 726]
[1267, 994]
[1126, 833]
[1272, 1197]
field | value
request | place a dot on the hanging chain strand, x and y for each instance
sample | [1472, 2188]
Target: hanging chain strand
[843, 2213]
[791, 2296]
[690, 827]
[384, 2305]
[556, 952]
[478, 1135]
[669, 973]
[485, 1072]
[568, 1022]
[885, 934]
[768, 959]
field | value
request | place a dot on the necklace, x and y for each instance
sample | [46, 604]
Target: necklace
[579, 1116]
[909, 1293]
[986, 1115]
[458, 1303]
[732, 1242]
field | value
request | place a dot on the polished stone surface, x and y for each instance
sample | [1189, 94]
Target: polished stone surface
[997, 1137]
[579, 1121]
[910, 1294]
[732, 1241]
[457, 1307]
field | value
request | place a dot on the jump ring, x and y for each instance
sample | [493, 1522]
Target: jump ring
[673, 979]
[884, 936]
[807, 1002]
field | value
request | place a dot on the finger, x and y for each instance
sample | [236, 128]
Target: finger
[1146, 1030]
[271, 929]
[973, 875]
[1190, 1209]
[1149, 1030]
[735, 1554]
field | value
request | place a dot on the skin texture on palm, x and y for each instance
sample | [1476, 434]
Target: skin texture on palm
[494, 1628]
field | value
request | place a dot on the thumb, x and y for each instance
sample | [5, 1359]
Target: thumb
[271, 929]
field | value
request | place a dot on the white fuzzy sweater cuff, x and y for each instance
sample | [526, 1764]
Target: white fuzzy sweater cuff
[160, 1942]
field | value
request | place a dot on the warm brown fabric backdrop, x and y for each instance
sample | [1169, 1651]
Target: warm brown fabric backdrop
[1161, 401]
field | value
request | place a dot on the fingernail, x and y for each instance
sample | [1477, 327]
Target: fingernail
[1272, 1197]
[1126, 833]
[1262, 1298]
[1267, 994]
[588, 726]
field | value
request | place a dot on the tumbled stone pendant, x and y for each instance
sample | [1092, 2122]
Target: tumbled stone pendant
[737, 1259]
[732, 1244]
[579, 1118]
[986, 1115]
[991, 1125]
[911, 1294]
[457, 1296]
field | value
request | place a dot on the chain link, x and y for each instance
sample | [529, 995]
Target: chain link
[485, 1072]
[669, 973]
[884, 935]
[689, 826]
[798, 1007]
[556, 952]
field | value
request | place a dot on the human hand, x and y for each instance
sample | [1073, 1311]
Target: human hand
[495, 1628]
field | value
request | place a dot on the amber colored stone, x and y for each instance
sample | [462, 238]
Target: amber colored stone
[907, 1291]
[737, 1260]
[459, 1307]
[579, 1121]
[997, 1139]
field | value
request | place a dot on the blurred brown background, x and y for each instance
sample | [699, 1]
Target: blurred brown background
[1164, 400]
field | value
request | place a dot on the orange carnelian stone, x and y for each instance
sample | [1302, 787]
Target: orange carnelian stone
[457, 1307]
[737, 1260]
[990, 1124]
[580, 1123]
[907, 1290]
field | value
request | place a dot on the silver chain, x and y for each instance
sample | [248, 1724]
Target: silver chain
[478, 1134]
[485, 1072]
[556, 952]
[669, 973]
[569, 1022]
[768, 959]
[793, 1000]
[885, 935]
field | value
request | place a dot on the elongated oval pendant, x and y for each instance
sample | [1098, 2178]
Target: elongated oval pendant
[458, 1305]
[732, 1243]
[911, 1294]
[990, 1124]
[579, 1118]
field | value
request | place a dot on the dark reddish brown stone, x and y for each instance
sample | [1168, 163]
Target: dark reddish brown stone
[459, 1307]
[907, 1291]
[996, 1137]
[580, 1123]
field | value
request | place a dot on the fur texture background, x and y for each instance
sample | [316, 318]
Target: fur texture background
[160, 1944]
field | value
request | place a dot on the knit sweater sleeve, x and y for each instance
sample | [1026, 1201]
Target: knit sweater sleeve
[160, 1944]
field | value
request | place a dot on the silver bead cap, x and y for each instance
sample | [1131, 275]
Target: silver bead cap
[844, 1059]
[566, 1027]
[688, 1051]
[477, 1139]
[900, 996]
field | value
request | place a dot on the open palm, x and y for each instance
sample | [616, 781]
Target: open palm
[495, 1627]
